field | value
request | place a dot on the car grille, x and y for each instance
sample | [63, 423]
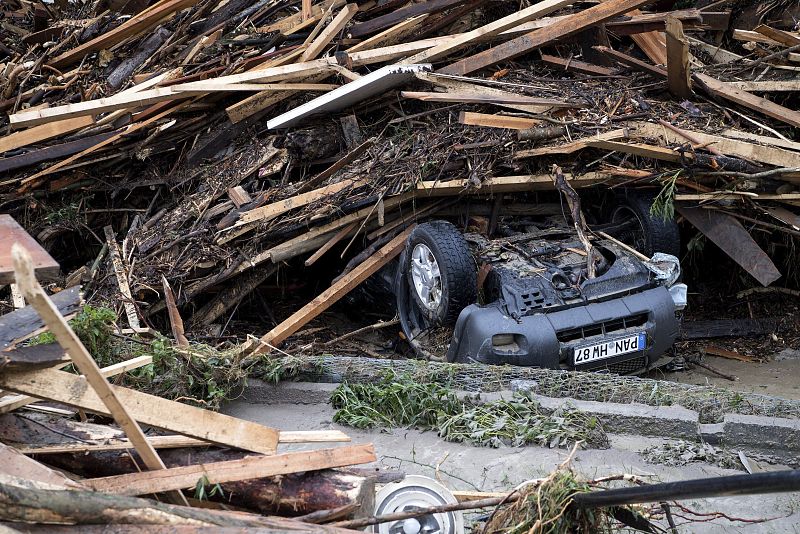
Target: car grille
[602, 328]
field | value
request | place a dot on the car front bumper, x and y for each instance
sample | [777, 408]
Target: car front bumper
[548, 339]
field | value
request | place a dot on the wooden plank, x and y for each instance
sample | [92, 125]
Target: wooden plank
[566, 27]
[678, 71]
[753, 37]
[729, 354]
[69, 389]
[730, 147]
[34, 180]
[504, 184]
[11, 232]
[782, 37]
[630, 61]
[68, 339]
[731, 237]
[15, 464]
[228, 87]
[638, 149]
[331, 295]
[764, 139]
[175, 320]
[276, 208]
[652, 43]
[289, 25]
[239, 196]
[51, 152]
[377, 24]
[179, 442]
[341, 234]
[133, 26]
[496, 27]
[331, 30]
[18, 401]
[749, 100]
[772, 86]
[389, 35]
[177, 478]
[496, 121]
[570, 148]
[24, 323]
[482, 98]
[43, 133]
[30, 357]
[578, 66]
[737, 195]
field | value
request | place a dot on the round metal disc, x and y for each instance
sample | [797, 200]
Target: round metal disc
[417, 491]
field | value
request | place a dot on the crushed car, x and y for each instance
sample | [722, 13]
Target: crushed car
[526, 297]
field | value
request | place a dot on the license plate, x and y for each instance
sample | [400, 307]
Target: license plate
[609, 349]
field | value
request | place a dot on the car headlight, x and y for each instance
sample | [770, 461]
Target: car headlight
[665, 267]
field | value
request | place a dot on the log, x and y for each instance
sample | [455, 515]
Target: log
[125, 69]
[35, 505]
[286, 495]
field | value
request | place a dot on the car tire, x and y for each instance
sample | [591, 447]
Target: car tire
[652, 233]
[452, 283]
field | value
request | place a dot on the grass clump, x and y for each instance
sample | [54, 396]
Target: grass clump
[400, 400]
[546, 508]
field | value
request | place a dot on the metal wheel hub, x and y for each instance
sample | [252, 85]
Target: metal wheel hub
[416, 492]
[427, 276]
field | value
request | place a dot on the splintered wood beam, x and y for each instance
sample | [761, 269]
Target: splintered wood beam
[578, 66]
[570, 148]
[770, 155]
[306, 10]
[176, 478]
[488, 30]
[66, 337]
[276, 208]
[566, 27]
[331, 295]
[652, 43]
[331, 30]
[749, 100]
[133, 26]
[678, 71]
[782, 37]
[14, 464]
[122, 278]
[71, 390]
[18, 401]
[729, 235]
[175, 320]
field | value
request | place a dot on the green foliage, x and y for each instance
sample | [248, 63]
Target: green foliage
[404, 401]
[396, 401]
[93, 327]
[202, 494]
[664, 203]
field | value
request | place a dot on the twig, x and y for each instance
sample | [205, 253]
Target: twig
[370, 328]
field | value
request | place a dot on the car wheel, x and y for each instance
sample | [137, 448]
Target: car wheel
[441, 272]
[647, 233]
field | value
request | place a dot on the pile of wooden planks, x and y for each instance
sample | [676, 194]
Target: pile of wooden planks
[220, 141]
[203, 451]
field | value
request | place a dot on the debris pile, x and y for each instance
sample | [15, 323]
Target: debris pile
[219, 140]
